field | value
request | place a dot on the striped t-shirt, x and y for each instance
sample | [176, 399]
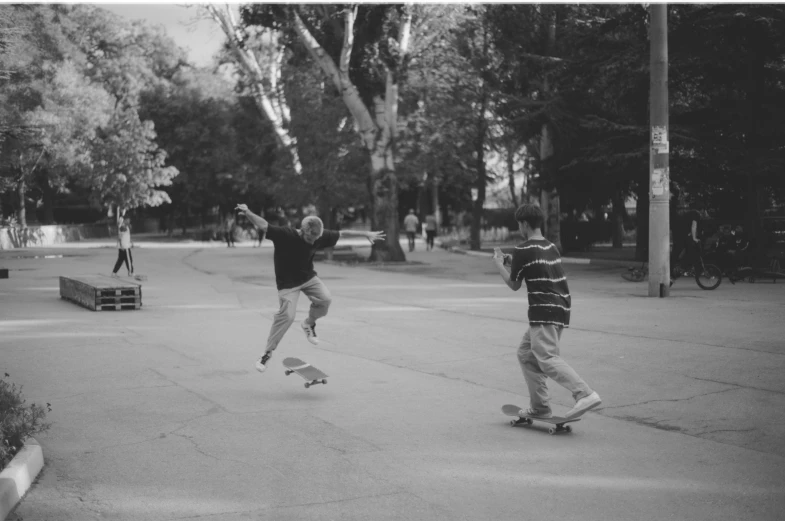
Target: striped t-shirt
[537, 261]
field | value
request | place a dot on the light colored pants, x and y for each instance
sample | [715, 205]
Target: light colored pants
[538, 355]
[320, 297]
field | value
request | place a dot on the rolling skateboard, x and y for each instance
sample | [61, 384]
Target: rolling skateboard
[311, 374]
[558, 421]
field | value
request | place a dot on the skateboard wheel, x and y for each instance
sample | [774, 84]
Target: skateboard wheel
[288, 372]
[551, 431]
[529, 421]
[513, 423]
[568, 428]
[324, 381]
[307, 385]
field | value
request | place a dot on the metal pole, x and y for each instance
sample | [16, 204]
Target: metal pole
[659, 175]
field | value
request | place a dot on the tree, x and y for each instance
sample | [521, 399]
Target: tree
[71, 111]
[263, 74]
[366, 75]
[728, 99]
[128, 167]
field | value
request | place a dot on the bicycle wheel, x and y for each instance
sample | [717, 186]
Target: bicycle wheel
[634, 275]
[709, 277]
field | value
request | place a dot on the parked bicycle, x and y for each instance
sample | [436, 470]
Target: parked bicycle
[708, 276]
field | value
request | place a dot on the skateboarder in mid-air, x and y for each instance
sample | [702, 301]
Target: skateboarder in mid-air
[537, 261]
[293, 261]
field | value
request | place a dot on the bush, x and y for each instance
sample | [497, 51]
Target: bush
[17, 420]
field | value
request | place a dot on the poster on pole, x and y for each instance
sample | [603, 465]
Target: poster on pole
[659, 139]
[659, 181]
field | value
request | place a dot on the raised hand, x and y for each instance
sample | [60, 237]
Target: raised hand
[376, 236]
[242, 207]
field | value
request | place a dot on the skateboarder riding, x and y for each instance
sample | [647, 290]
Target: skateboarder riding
[537, 261]
[294, 273]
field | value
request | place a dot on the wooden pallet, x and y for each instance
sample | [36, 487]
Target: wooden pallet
[101, 293]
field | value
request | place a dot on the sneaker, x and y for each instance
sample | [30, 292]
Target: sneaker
[114, 275]
[531, 413]
[261, 364]
[584, 404]
[310, 332]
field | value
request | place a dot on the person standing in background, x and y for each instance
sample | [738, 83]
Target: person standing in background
[431, 228]
[124, 246]
[410, 224]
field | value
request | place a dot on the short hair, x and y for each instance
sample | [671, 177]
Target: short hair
[530, 214]
[312, 225]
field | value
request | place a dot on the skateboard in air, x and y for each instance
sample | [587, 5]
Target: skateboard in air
[311, 374]
[557, 421]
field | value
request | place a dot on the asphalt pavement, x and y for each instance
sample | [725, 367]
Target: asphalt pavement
[158, 414]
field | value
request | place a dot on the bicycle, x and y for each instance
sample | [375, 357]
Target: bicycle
[708, 276]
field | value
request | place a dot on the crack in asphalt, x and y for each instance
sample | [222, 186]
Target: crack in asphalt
[734, 388]
[703, 433]
[103, 391]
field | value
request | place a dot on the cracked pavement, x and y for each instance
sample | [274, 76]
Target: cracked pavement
[159, 414]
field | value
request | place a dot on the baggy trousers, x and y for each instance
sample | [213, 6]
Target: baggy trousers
[124, 256]
[320, 298]
[538, 355]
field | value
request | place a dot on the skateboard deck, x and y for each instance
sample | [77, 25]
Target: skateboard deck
[558, 421]
[310, 374]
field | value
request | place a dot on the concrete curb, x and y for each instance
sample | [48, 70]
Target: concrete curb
[18, 476]
[565, 260]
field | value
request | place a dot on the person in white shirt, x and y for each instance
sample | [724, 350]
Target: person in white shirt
[410, 224]
[124, 245]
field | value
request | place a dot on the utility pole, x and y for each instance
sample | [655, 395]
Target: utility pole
[659, 174]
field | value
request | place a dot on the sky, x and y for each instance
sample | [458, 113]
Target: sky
[184, 23]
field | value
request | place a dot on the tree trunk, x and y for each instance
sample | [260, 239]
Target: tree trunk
[511, 173]
[552, 230]
[21, 190]
[435, 200]
[270, 101]
[619, 212]
[475, 242]
[49, 196]
[756, 95]
[377, 131]
[384, 213]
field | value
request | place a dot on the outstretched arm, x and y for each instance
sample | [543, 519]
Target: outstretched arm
[504, 271]
[371, 236]
[257, 220]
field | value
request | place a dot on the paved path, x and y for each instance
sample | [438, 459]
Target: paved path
[158, 414]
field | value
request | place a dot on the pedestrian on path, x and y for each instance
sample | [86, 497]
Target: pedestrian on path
[430, 230]
[124, 246]
[229, 229]
[294, 273]
[410, 224]
[537, 262]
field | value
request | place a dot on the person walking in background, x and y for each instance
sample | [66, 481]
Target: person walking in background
[537, 262]
[430, 231]
[410, 224]
[294, 273]
[229, 231]
[124, 246]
